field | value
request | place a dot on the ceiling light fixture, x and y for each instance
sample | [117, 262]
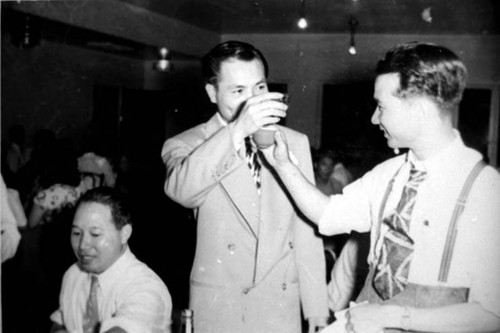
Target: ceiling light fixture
[163, 64]
[26, 34]
[302, 23]
[353, 23]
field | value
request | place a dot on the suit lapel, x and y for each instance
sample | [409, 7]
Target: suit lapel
[241, 190]
[239, 186]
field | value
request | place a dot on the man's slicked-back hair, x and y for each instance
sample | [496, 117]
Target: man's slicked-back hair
[112, 198]
[211, 62]
[426, 70]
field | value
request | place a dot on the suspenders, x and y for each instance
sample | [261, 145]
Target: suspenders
[452, 229]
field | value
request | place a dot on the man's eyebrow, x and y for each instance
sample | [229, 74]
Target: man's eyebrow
[234, 86]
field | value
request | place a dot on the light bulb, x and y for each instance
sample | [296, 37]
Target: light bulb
[162, 64]
[163, 52]
[352, 50]
[302, 24]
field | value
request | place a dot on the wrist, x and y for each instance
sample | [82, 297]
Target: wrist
[236, 135]
[406, 319]
[397, 317]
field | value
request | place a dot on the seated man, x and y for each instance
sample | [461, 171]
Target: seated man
[108, 289]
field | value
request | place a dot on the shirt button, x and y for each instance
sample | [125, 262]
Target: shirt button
[283, 286]
[231, 247]
[290, 244]
[246, 291]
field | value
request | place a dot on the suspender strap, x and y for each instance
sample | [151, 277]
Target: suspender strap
[452, 229]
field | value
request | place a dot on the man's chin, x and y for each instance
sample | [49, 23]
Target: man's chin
[87, 267]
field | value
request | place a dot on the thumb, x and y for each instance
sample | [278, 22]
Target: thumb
[279, 137]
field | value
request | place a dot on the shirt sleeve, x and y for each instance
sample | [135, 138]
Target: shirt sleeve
[196, 165]
[350, 210]
[10, 233]
[482, 234]
[145, 308]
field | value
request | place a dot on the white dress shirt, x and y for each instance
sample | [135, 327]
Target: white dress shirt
[131, 296]
[10, 234]
[476, 258]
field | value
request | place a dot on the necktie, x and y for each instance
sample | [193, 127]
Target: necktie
[253, 162]
[391, 272]
[91, 316]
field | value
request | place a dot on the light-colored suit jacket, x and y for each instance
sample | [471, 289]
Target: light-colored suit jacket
[256, 260]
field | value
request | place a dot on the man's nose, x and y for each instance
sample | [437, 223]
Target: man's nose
[84, 243]
[375, 117]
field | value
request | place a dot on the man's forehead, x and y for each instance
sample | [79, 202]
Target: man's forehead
[387, 84]
[232, 66]
[92, 211]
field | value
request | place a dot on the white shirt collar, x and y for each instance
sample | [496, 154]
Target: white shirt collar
[446, 155]
[109, 276]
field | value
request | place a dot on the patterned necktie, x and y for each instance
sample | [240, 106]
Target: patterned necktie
[391, 272]
[91, 316]
[253, 162]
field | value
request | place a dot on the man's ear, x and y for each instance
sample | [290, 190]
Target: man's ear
[212, 92]
[125, 233]
[427, 110]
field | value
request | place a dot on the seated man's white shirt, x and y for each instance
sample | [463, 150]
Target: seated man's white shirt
[476, 257]
[131, 296]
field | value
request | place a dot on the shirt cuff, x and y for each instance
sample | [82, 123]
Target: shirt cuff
[130, 326]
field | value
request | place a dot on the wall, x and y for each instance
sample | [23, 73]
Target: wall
[119, 19]
[305, 62]
[50, 85]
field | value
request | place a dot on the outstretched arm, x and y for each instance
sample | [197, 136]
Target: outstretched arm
[465, 317]
[311, 201]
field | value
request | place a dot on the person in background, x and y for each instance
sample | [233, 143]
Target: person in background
[342, 174]
[323, 175]
[38, 167]
[345, 255]
[60, 185]
[11, 218]
[257, 261]
[349, 271]
[434, 264]
[324, 162]
[98, 169]
[108, 289]
[17, 154]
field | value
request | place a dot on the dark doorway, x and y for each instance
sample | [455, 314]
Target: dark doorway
[132, 125]
[347, 128]
[474, 119]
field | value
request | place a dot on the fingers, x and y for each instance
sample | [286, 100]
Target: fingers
[349, 327]
[276, 96]
[256, 112]
[265, 109]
